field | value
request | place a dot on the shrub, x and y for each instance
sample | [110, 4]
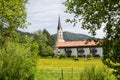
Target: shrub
[49, 56]
[89, 55]
[97, 56]
[73, 56]
[91, 73]
[56, 55]
[62, 56]
[18, 61]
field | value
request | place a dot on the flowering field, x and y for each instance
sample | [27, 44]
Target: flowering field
[68, 69]
[58, 64]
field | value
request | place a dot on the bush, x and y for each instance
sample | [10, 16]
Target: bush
[62, 56]
[73, 56]
[56, 55]
[18, 61]
[97, 56]
[91, 73]
[89, 55]
[49, 56]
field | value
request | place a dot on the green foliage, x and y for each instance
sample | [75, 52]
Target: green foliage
[89, 55]
[88, 73]
[46, 51]
[18, 53]
[91, 73]
[95, 14]
[62, 56]
[73, 56]
[18, 62]
[45, 46]
[112, 56]
[50, 39]
[12, 15]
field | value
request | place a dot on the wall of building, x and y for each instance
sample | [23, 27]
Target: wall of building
[99, 51]
[62, 51]
[86, 51]
[74, 51]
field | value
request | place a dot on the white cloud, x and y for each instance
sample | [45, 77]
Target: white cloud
[44, 14]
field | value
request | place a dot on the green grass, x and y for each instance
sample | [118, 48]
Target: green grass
[58, 64]
[68, 69]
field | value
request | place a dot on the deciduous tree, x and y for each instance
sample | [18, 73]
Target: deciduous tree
[42, 38]
[17, 56]
[12, 15]
[94, 14]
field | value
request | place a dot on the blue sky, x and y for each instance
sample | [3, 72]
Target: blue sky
[43, 14]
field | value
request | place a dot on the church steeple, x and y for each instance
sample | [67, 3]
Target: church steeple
[59, 23]
[59, 32]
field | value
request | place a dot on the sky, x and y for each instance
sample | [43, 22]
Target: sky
[43, 14]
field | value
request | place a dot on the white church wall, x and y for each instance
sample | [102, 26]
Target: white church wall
[62, 51]
[74, 51]
[87, 51]
[100, 51]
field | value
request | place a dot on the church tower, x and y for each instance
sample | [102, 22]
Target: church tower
[59, 32]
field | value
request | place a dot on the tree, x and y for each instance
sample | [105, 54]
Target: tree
[18, 56]
[51, 39]
[94, 14]
[12, 15]
[42, 38]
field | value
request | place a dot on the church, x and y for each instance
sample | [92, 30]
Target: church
[77, 48]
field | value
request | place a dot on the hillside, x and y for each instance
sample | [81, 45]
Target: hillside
[25, 33]
[69, 36]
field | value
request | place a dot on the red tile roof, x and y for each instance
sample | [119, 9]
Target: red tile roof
[83, 43]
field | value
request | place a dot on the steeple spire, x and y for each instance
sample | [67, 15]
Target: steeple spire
[59, 32]
[59, 23]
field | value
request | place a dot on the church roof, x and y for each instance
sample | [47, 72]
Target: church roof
[59, 24]
[83, 43]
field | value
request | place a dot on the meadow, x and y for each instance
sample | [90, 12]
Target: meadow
[68, 69]
[58, 64]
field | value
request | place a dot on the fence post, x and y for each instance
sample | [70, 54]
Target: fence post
[72, 72]
[62, 74]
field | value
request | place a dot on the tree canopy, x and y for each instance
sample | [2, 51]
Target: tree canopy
[45, 42]
[94, 14]
[12, 15]
[18, 53]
